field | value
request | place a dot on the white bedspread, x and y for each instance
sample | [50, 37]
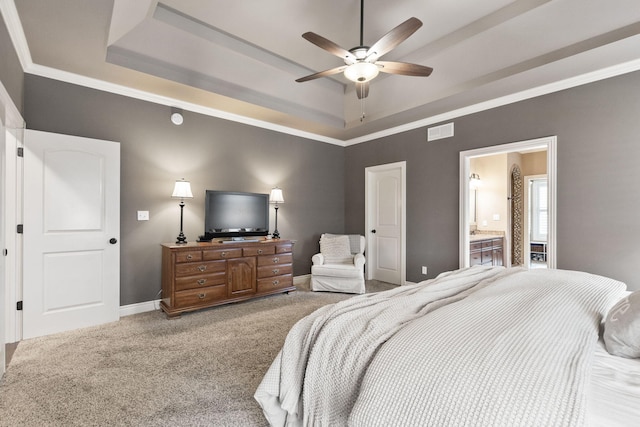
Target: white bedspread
[479, 346]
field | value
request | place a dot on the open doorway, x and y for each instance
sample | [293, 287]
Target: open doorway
[496, 210]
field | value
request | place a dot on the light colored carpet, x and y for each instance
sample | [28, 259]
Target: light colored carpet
[145, 370]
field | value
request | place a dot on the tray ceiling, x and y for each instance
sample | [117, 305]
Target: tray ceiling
[240, 59]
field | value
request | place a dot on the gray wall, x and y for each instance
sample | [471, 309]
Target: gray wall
[211, 153]
[598, 130]
[11, 74]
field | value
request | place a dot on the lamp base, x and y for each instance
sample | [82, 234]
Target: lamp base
[276, 234]
[181, 240]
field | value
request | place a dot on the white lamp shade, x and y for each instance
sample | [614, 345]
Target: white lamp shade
[182, 190]
[276, 196]
[361, 72]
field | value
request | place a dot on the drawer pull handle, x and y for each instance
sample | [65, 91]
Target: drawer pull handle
[275, 270]
[202, 282]
[259, 251]
[189, 256]
[276, 282]
[275, 260]
[201, 296]
[202, 267]
[223, 254]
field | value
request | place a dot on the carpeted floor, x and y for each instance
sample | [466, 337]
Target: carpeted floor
[145, 370]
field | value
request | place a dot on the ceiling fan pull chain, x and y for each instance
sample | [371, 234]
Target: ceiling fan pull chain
[361, 104]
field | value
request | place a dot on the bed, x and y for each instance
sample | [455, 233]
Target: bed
[485, 346]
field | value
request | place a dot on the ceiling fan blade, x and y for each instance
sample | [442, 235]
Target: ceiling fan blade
[329, 46]
[404, 68]
[362, 90]
[393, 38]
[324, 73]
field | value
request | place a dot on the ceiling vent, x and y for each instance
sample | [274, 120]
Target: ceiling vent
[439, 132]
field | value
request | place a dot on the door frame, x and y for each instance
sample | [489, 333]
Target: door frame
[550, 144]
[526, 183]
[368, 215]
[14, 125]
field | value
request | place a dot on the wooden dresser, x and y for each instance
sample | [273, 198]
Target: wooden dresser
[199, 275]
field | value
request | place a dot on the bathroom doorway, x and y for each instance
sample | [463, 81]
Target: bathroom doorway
[497, 206]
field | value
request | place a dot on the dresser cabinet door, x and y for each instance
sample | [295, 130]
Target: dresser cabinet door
[241, 276]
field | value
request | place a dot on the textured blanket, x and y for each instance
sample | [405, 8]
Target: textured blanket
[478, 346]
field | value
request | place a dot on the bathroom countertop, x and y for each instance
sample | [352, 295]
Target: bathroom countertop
[480, 236]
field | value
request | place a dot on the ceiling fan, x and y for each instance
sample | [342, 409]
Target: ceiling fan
[361, 62]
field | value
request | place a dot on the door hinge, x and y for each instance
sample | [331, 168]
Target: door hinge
[19, 306]
[20, 228]
[20, 151]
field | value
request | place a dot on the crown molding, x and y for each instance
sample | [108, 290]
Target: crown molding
[16, 32]
[569, 83]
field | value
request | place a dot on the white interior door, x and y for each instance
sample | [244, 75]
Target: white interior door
[3, 209]
[385, 219]
[71, 232]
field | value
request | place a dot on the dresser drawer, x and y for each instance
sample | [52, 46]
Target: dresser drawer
[200, 297]
[276, 259]
[253, 251]
[188, 256]
[273, 283]
[200, 268]
[274, 270]
[197, 282]
[222, 254]
[283, 249]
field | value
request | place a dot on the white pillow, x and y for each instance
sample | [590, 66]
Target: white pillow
[622, 327]
[336, 250]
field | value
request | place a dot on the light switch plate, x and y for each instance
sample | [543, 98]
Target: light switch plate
[143, 215]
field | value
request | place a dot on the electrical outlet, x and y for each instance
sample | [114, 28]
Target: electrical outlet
[424, 269]
[143, 215]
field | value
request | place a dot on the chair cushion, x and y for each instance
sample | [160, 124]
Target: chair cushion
[356, 242]
[336, 270]
[336, 249]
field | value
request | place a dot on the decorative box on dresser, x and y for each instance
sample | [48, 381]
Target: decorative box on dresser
[200, 275]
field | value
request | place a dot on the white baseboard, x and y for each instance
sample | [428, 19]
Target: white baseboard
[143, 307]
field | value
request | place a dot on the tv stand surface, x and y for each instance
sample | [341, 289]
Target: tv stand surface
[205, 274]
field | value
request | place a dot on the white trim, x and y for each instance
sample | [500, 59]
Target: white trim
[403, 216]
[92, 83]
[550, 144]
[526, 180]
[16, 32]
[301, 280]
[580, 80]
[14, 26]
[12, 118]
[141, 307]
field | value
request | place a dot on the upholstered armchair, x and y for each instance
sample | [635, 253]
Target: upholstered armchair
[339, 267]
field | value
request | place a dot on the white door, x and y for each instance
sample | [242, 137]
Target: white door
[385, 219]
[71, 232]
[3, 218]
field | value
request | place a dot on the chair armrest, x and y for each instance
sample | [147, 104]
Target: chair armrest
[317, 259]
[359, 260]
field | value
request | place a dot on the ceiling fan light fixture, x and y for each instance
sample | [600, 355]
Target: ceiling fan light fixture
[361, 72]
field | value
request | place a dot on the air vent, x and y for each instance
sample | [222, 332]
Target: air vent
[439, 132]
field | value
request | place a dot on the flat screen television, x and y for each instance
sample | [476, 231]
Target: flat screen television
[235, 214]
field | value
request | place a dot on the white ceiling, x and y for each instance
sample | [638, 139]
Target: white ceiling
[239, 59]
